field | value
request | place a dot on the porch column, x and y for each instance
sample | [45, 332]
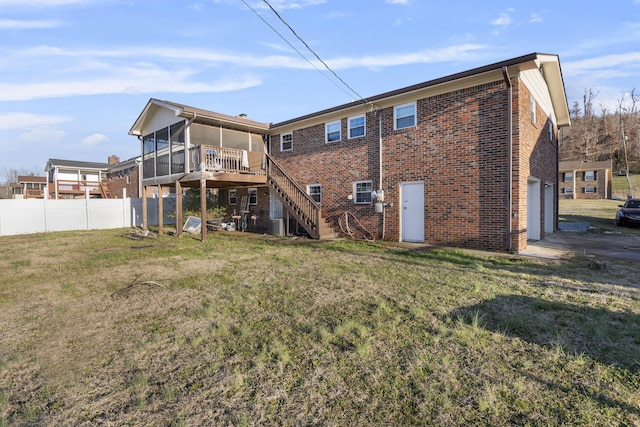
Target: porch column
[160, 211]
[178, 208]
[203, 208]
[144, 207]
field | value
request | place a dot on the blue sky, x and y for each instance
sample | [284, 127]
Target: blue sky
[75, 74]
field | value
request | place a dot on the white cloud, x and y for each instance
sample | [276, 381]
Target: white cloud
[402, 2]
[95, 139]
[503, 20]
[28, 120]
[535, 18]
[600, 62]
[10, 24]
[43, 134]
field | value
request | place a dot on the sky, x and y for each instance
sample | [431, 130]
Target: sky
[75, 74]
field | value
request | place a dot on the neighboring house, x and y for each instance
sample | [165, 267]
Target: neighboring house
[467, 160]
[585, 180]
[123, 177]
[72, 179]
[28, 187]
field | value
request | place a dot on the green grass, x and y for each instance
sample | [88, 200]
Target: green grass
[620, 186]
[599, 213]
[254, 330]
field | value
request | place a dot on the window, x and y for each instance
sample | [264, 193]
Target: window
[550, 125]
[590, 175]
[315, 191]
[568, 177]
[253, 196]
[532, 107]
[356, 126]
[567, 190]
[233, 197]
[286, 142]
[404, 116]
[332, 132]
[590, 190]
[362, 191]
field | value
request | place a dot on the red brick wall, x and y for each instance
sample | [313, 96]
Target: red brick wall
[459, 150]
[119, 181]
[260, 210]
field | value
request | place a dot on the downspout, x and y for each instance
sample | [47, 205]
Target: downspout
[507, 80]
[380, 172]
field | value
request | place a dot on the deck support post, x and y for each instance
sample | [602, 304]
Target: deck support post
[144, 207]
[203, 209]
[178, 208]
[160, 211]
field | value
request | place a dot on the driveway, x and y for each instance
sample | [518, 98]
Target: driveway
[574, 238]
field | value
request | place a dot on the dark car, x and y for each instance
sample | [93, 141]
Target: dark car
[629, 213]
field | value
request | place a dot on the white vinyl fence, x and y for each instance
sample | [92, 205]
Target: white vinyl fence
[41, 216]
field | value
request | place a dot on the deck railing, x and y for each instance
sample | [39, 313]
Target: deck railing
[76, 187]
[230, 160]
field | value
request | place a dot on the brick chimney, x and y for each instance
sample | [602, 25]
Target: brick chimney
[113, 159]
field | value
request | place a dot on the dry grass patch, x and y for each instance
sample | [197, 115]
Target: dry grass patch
[263, 331]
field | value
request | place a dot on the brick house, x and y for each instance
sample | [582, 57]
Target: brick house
[467, 160]
[585, 180]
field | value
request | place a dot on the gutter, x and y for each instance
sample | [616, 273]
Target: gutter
[505, 74]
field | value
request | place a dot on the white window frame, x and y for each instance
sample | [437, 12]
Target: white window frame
[328, 130]
[567, 175]
[567, 190]
[397, 117]
[290, 141]
[253, 196]
[233, 197]
[590, 190]
[533, 107]
[351, 127]
[592, 175]
[362, 197]
[317, 193]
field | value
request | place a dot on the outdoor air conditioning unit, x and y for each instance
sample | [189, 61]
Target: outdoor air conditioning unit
[277, 227]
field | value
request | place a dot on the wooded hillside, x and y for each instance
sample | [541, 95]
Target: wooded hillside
[604, 134]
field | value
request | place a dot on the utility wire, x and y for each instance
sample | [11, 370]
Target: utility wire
[294, 48]
[311, 50]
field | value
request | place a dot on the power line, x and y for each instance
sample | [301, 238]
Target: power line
[294, 48]
[310, 50]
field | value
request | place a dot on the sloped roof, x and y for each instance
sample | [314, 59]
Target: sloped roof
[581, 165]
[77, 164]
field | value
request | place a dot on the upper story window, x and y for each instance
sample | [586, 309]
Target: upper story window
[356, 126]
[532, 107]
[233, 197]
[253, 196]
[333, 131]
[590, 175]
[404, 116]
[362, 191]
[315, 191]
[568, 177]
[286, 142]
[550, 125]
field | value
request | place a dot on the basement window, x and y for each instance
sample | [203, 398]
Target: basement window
[362, 191]
[315, 191]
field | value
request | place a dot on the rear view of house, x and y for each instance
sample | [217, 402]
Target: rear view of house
[467, 160]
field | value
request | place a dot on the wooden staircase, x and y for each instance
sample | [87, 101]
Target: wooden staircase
[105, 189]
[299, 204]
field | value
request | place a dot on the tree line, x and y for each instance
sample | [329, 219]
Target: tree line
[604, 134]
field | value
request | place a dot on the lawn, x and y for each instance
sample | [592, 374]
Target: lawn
[98, 329]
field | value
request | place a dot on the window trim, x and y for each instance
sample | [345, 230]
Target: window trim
[350, 128]
[282, 136]
[593, 178]
[592, 190]
[356, 193]
[319, 186]
[567, 190]
[564, 176]
[235, 197]
[250, 191]
[327, 133]
[396, 117]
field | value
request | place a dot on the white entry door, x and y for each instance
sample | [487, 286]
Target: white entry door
[533, 209]
[412, 215]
